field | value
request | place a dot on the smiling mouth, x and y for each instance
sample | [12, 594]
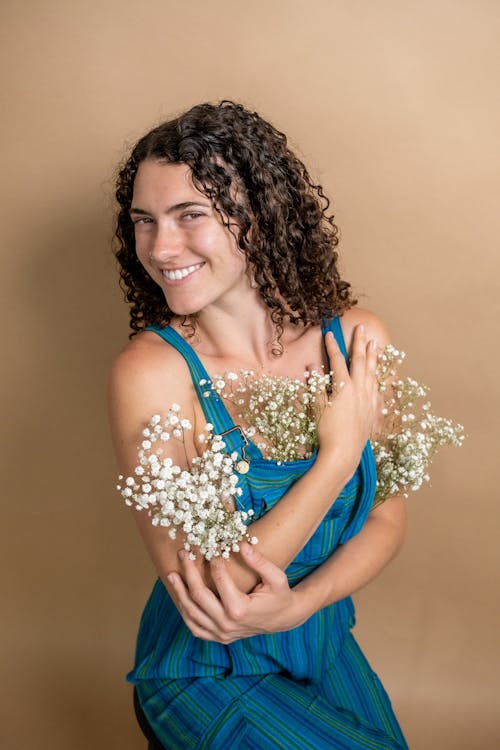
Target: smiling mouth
[181, 273]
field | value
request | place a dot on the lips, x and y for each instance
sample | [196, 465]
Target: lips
[178, 274]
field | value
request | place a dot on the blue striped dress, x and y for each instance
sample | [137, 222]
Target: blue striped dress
[305, 689]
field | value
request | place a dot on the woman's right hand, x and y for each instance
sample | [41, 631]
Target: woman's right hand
[348, 416]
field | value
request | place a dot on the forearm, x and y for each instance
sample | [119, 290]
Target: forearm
[285, 529]
[282, 532]
[273, 606]
[355, 563]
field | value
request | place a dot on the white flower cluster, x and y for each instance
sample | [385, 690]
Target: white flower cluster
[200, 502]
[387, 361]
[410, 435]
[282, 411]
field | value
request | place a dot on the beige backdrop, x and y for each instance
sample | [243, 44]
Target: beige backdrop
[395, 106]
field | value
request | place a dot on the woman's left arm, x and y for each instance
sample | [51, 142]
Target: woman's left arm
[273, 606]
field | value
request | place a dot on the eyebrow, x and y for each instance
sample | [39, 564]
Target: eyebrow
[176, 207]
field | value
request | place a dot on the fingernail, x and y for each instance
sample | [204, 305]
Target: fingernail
[181, 554]
[171, 578]
[361, 328]
[373, 344]
[249, 550]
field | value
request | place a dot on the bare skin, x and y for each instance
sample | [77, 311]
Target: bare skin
[249, 593]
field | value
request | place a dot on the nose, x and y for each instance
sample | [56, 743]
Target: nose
[165, 243]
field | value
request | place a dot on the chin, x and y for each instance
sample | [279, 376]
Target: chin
[182, 309]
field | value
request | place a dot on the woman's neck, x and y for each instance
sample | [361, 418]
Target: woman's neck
[242, 334]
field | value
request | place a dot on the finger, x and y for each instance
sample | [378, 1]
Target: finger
[220, 629]
[200, 595]
[268, 572]
[230, 595]
[193, 616]
[372, 356]
[358, 354]
[364, 357]
[336, 358]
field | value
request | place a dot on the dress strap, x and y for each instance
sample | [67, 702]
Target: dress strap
[212, 404]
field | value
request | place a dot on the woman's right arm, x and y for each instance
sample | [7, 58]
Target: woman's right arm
[146, 379]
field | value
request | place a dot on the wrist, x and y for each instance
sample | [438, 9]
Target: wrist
[301, 609]
[307, 602]
[336, 466]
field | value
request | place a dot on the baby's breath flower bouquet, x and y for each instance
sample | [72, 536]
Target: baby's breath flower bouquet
[284, 412]
[199, 502]
[281, 413]
[410, 435]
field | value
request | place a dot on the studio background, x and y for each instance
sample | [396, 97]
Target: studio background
[394, 105]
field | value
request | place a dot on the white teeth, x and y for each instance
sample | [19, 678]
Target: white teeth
[181, 273]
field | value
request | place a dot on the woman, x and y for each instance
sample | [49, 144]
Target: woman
[228, 259]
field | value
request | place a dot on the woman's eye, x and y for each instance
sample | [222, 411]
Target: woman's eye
[142, 220]
[192, 215]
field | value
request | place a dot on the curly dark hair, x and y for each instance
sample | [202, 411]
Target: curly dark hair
[282, 220]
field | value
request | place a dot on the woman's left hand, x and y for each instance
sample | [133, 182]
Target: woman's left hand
[272, 606]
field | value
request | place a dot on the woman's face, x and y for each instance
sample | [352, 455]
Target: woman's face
[182, 242]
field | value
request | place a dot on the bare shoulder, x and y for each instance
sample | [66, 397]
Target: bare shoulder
[145, 364]
[146, 378]
[375, 327]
